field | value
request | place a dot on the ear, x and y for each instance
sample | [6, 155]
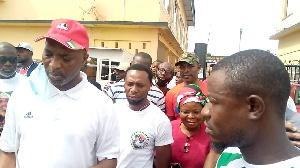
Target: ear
[85, 57]
[256, 107]
[199, 67]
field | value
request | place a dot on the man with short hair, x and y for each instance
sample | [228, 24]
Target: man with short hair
[9, 79]
[60, 119]
[189, 66]
[246, 113]
[143, 126]
[164, 76]
[25, 52]
[156, 96]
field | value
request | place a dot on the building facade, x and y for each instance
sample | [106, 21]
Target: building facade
[289, 33]
[158, 27]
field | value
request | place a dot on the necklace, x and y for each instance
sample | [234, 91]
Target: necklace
[145, 106]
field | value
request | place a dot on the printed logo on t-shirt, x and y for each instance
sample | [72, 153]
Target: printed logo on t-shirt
[28, 115]
[139, 140]
[4, 98]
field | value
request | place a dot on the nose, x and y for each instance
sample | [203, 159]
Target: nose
[134, 89]
[55, 62]
[191, 115]
[205, 112]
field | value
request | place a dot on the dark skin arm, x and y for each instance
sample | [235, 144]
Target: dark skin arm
[7, 160]
[293, 134]
[106, 163]
[163, 156]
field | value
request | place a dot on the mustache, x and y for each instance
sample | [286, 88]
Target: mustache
[55, 72]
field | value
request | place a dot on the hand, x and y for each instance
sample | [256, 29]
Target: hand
[292, 134]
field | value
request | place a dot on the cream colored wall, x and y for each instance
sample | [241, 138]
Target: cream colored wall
[289, 47]
[124, 36]
[17, 34]
[103, 10]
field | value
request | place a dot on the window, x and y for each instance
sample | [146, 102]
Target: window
[292, 6]
[144, 45]
[175, 15]
[166, 4]
[102, 44]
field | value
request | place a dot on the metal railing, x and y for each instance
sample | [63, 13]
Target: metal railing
[293, 71]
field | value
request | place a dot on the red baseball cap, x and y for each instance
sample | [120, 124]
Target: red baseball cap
[69, 33]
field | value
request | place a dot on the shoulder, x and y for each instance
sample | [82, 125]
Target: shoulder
[230, 154]
[175, 123]
[155, 89]
[174, 90]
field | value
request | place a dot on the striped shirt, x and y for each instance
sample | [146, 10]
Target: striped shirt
[117, 93]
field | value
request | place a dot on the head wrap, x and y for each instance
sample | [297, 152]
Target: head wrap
[190, 93]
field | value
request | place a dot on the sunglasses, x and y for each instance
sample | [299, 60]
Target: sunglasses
[12, 60]
[186, 145]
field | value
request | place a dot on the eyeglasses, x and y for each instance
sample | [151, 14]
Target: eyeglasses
[12, 60]
[186, 145]
[165, 71]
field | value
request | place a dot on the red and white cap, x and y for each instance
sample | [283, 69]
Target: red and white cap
[69, 33]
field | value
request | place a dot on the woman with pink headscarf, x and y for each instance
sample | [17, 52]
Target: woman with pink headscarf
[191, 143]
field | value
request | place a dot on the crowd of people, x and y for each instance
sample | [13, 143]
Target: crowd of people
[154, 115]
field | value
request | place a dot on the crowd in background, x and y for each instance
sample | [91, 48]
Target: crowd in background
[153, 115]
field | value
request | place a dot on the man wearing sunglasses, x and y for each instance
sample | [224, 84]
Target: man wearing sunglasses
[9, 79]
[164, 76]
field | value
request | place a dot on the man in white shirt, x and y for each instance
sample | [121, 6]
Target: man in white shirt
[143, 126]
[59, 119]
[9, 79]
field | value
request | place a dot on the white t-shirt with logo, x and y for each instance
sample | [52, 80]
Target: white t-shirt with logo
[140, 132]
[233, 158]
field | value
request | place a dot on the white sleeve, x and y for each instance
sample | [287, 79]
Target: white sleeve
[291, 105]
[164, 132]
[108, 142]
[7, 140]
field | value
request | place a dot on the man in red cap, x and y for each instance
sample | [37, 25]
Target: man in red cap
[57, 121]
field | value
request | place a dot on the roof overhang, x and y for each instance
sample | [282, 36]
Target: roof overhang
[286, 31]
[189, 9]
[163, 27]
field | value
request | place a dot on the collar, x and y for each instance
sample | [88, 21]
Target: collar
[73, 93]
[27, 67]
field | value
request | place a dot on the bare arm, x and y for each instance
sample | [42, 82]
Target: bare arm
[211, 159]
[292, 134]
[106, 163]
[163, 156]
[7, 160]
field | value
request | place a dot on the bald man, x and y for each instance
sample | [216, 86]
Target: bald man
[164, 76]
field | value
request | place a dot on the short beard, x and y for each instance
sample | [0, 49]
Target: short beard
[162, 83]
[135, 102]
[237, 140]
